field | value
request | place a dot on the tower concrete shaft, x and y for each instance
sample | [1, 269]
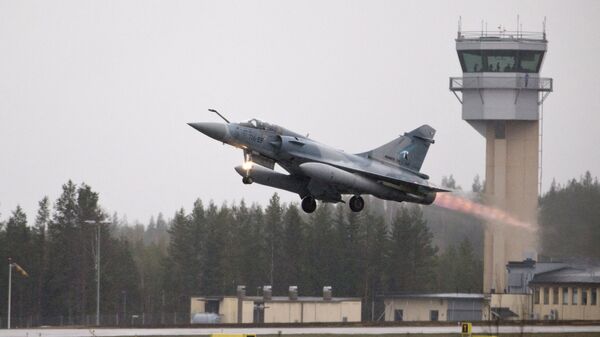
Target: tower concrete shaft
[500, 92]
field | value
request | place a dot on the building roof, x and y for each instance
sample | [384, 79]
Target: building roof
[459, 296]
[503, 313]
[283, 298]
[569, 275]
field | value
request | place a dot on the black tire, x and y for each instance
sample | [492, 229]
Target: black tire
[247, 180]
[357, 203]
[309, 204]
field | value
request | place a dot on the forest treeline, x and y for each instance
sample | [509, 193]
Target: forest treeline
[209, 249]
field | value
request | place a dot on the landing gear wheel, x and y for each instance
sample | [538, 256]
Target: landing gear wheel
[357, 203]
[309, 204]
[247, 180]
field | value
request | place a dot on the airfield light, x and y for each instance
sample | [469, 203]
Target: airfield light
[247, 165]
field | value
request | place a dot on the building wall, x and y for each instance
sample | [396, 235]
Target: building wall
[197, 305]
[282, 312]
[543, 307]
[228, 310]
[307, 312]
[352, 311]
[415, 309]
[247, 311]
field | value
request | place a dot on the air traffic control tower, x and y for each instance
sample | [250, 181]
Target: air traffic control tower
[501, 93]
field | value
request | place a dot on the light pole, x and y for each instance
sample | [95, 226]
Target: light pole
[19, 269]
[9, 290]
[97, 223]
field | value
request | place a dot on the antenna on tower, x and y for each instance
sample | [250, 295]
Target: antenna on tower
[518, 18]
[459, 25]
[544, 27]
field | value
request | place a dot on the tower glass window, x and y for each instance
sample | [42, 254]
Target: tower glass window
[546, 295]
[565, 292]
[471, 61]
[530, 61]
[575, 296]
[501, 61]
[555, 295]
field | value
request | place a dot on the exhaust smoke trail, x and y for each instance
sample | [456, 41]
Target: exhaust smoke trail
[457, 203]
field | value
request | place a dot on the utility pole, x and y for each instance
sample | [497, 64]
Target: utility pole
[98, 275]
[9, 290]
[97, 223]
[22, 271]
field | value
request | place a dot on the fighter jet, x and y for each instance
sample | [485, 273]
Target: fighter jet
[319, 172]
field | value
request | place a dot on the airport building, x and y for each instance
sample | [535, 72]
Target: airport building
[274, 309]
[535, 291]
[435, 307]
[548, 291]
[568, 293]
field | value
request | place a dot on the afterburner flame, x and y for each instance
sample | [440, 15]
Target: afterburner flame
[460, 204]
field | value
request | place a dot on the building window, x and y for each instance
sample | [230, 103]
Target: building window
[433, 315]
[398, 315]
[500, 61]
[594, 297]
[546, 295]
[530, 61]
[575, 296]
[536, 296]
[565, 295]
[584, 296]
[555, 295]
[504, 61]
[471, 61]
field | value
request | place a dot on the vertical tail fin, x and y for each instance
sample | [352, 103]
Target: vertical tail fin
[407, 151]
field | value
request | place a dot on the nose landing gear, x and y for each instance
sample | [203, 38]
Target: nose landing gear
[247, 180]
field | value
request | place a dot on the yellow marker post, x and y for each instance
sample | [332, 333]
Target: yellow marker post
[466, 329]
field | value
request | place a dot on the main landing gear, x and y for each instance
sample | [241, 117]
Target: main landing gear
[309, 204]
[247, 180]
[357, 203]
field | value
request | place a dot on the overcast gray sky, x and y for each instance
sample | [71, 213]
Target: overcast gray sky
[100, 91]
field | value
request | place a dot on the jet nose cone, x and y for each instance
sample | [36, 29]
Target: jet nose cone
[217, 131]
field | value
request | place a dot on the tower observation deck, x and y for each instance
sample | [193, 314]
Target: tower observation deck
[501, 93]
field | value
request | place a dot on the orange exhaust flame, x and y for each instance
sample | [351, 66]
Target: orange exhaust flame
[460, 204]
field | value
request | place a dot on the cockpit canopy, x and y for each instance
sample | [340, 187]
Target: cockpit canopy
[256, 124]
[260, 125]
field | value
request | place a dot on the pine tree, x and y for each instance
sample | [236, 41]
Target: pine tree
[293, 250]
[274, 238]
[412, 252]
[40, 259]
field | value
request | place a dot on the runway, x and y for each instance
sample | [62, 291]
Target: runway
[296, 331]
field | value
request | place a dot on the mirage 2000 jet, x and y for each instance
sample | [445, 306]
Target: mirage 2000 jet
[320, 172]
